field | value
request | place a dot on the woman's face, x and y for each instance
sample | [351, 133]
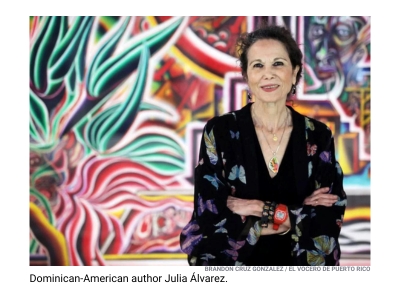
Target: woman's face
[269, 73]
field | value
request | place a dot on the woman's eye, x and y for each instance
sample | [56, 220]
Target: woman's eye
[278, 63]
[258, 65]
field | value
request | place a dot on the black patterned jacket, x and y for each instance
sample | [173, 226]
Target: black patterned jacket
[228, 166]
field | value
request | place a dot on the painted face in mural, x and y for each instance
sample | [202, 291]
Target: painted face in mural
[270, 74]
[334, 43]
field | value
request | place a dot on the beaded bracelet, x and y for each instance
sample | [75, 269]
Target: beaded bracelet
[267, 213]
[272, 209]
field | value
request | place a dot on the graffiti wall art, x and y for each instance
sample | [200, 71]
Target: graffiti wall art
[117, 108]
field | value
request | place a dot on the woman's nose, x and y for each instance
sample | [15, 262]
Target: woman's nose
[269, 73]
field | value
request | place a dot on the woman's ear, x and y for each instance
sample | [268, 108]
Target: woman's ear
[245, 78]
[294, 74]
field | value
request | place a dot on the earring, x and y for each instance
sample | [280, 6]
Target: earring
[248, 94]
[293, 89]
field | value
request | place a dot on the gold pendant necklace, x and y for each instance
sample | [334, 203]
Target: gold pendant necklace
[275, 138]
[273, 162]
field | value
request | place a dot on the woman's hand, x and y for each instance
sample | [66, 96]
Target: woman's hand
[245, 207]
[321, 197]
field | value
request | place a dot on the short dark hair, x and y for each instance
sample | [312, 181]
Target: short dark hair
[279, 33]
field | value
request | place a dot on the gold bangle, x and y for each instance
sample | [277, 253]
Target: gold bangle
[282, 234]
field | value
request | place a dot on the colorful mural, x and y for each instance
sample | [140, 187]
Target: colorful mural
[117, 107]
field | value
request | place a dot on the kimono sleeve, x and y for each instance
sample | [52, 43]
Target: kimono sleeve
[205, 238]
[318, 228]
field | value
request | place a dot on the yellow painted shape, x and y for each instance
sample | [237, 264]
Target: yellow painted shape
[57, 234]
[357, 213]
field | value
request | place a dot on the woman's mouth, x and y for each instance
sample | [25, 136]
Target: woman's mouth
[269, 88]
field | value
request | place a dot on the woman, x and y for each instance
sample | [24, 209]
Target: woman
[268, 189]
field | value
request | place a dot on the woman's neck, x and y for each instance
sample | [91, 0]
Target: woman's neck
[271, 116]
